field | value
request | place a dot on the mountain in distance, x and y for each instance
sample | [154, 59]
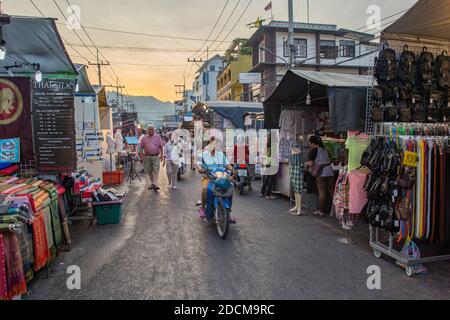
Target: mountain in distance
[149, 108]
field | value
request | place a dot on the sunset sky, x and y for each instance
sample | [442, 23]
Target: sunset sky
[153, 65]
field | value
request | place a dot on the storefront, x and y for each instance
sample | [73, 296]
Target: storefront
[409, 114]
[306, 103]
[40, 187]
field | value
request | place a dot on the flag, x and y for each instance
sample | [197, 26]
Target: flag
[269, 6]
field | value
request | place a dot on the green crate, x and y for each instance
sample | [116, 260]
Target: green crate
[108, 213]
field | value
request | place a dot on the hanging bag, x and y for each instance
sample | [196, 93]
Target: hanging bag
[407, 69]
[386, 65]
[442, 71]
[425, 70]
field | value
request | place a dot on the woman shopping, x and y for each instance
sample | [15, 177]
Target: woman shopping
[320, 167]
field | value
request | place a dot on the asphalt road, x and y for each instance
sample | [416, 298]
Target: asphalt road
[163, 251]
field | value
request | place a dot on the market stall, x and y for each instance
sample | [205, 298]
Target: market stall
[409, 113]
[308, 102]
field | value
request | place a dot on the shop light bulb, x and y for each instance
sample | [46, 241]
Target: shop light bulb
[38, 76]
[2, 52]
[308, 100]
[77, 87]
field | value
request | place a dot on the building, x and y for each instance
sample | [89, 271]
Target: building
[205, 85]
[237, 60]
[319, 47]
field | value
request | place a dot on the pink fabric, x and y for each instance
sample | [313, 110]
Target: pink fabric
[3, 288]
[152, 145]
[358, 197]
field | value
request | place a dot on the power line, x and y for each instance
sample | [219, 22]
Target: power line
[143, 34]
[66, 42]
[235, 25]
[214, 28]
[62, 13]
[224, 26]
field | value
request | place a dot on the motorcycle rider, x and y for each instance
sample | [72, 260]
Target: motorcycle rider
[212, 158]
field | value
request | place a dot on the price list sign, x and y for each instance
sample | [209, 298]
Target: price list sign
[54, 125]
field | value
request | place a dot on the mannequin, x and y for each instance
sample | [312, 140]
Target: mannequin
[119, 140]
[296, 170]
[111, 144]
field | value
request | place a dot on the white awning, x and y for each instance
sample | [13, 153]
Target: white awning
[427, 18]
[330, 79]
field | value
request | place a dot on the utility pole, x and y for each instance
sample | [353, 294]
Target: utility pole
[99, 64]
[307, 8]
[117, 87]
[291, 33]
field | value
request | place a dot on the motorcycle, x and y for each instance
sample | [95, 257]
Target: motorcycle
[219, 200]
[243, 179]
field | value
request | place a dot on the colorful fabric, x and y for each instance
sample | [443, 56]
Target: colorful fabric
[56, 223]
[26, 250]
[356, 145]
[341, 196]
[49, 232]
[40, 245]
[3, 285]
[297, 170]
[357, 195]
[15, 277]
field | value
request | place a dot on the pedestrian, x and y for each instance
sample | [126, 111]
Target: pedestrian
[152, 151]
[171, 161]
[320, 166]
[269, 180]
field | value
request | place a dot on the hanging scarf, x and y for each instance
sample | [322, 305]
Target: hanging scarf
[3, 287]
[41, 253]
[26, 249]
[15, 277]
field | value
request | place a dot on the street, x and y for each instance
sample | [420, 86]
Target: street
[161, 250]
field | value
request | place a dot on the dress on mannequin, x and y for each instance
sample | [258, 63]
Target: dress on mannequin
[119, 141]
[297, 169]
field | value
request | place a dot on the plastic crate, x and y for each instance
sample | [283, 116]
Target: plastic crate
[113, 178]
[108, 212]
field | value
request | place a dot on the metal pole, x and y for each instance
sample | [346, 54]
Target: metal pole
[307, 4]
[291, 33]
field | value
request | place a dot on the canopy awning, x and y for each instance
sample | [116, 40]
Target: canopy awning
[343, 95]
[84, 85]
[427, 18]
[101, 96]
[34, 40]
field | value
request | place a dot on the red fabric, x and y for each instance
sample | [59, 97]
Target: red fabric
[9, 171]
[15, 276]
[40, 245]
[3, 288]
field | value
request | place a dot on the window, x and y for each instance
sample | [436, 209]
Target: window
[347, 49]
[212, 68]
[328, 49]
[301, 48]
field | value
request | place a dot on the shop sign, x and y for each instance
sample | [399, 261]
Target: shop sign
[54, 125]
[15, 114]
[410, 159]
[250, 78]
[10, 151]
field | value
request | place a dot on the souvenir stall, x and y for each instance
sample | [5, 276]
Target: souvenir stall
[87, 123]
[33, 229]
[409, 154]
[308, 103]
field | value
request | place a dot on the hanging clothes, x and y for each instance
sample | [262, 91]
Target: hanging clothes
[357, 195]
[356, 145]
[297, 172]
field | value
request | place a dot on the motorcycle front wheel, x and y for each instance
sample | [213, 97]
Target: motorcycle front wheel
[222, 221]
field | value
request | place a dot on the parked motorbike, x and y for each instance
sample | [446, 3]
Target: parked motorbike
[242, 179]
[220, 199]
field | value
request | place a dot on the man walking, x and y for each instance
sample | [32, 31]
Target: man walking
[151, 148]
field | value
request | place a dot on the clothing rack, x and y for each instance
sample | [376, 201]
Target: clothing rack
[387, 247]
[384, 128]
